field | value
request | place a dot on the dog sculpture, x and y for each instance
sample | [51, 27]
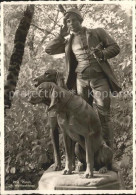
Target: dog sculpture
[51, 75]
[78, 119]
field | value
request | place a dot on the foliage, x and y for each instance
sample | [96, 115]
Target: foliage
[17, 54]
[121, 119]
[28, 149]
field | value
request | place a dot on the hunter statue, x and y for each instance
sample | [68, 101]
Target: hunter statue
[87, 69]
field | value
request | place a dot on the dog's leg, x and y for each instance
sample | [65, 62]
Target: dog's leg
[68, 143]
[89, 157]
[55, 141]
[80, 153]
[69, 151]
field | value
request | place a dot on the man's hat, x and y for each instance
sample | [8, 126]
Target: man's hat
[75, 11]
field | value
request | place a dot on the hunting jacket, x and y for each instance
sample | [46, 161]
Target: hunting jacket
[94, 37]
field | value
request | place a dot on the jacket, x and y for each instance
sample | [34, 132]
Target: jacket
[94, 37]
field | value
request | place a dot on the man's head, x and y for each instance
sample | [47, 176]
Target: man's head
[73, 19]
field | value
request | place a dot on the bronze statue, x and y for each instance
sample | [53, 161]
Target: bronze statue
[87, 69]
[78, 119]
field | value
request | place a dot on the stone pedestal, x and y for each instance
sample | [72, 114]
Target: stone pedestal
[54, 180]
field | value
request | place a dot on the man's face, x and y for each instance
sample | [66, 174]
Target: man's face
[73, 23]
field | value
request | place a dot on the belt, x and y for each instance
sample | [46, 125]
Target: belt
[81, 69]
[95, 75]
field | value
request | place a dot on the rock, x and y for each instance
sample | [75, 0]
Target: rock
[54, 180]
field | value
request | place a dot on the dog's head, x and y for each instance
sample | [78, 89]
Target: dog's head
[50, 75]
[47, 93]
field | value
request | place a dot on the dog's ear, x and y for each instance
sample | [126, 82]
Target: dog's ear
[54, 96]
[60, 80]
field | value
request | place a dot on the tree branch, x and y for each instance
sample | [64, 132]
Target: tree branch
[81, 7]
[54, 21]
[49, 32]
[41, 29]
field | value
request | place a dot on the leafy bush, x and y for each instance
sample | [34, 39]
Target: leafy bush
[123, 139]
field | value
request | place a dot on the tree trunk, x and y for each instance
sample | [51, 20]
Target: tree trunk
[17, 55]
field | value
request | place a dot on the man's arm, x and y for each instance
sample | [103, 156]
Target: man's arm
[56, 46]
[111, 48]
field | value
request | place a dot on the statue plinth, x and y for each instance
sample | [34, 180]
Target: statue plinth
[54, 180]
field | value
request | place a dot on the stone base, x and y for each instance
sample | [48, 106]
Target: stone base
[110, 186]
[54, 180]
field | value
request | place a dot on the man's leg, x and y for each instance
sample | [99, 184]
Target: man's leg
[102, 100]
[84, 90]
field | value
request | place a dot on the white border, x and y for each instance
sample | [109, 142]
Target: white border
[132, 3]
[2, 102]
[69, 2]
[134, 95]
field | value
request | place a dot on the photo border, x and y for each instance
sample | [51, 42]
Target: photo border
[3, 191]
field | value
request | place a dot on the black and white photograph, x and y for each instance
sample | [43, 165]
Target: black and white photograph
[67, 105]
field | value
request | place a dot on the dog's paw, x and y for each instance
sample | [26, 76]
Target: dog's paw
[103, 170]
[88, 174]
[66, 172]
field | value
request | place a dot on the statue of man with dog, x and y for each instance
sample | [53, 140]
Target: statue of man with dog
[87, 69]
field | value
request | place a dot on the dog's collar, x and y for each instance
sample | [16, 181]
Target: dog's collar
[77, 108]
[66, 103]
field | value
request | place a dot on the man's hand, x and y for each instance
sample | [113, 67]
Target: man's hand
[98, 53]
[64, 31]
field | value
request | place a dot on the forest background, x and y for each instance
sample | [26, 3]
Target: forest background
[28, 148]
